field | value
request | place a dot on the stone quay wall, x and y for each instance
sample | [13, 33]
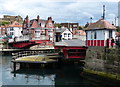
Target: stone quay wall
[103, 59]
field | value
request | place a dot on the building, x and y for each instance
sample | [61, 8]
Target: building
[97, 33]
[12, 18]
[39, 29]
[14, 30]
[63, 34]
[119, 13]
[72, 49]
[80, 34]
[2, 31]
[72, 26]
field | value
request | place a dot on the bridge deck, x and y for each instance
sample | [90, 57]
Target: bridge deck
[36, 59]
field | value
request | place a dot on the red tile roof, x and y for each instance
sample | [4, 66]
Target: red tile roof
[14, 24]
[35, 24]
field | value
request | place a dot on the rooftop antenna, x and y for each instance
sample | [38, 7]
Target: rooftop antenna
[103, 12]
[115, 20]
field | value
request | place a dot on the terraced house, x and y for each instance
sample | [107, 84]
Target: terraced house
[39, 29]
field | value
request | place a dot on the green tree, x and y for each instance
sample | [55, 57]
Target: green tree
[118, 29]
[4, 22]
[58, 25]
[80, 28]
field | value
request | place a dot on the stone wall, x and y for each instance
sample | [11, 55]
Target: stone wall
[103, 59]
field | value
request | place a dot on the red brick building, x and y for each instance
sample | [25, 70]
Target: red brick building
[2, 30]
[72, 26]
[39, 29]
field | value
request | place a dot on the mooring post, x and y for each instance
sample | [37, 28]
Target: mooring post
[14, 66]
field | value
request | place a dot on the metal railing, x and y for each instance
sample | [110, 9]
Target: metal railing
[30, 53]
[23, 38]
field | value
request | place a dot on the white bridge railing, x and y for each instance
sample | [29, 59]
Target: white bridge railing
[24, 38]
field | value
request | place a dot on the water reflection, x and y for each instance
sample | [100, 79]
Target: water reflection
[67, 75]
[40, 77]
[62, 75]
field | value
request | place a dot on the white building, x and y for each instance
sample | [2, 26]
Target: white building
[63, 34]
[15, 29]
[97, 33]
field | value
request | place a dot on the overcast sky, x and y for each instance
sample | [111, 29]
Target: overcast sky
[61, 10]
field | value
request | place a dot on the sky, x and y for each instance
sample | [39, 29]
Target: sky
[61, 10]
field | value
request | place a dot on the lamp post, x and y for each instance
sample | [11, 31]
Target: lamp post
[91, 19]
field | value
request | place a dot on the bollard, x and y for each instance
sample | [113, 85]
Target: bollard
[14, 66]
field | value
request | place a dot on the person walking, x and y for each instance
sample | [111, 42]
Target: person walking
[112, 42]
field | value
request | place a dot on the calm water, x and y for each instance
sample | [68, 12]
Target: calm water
[64, 75]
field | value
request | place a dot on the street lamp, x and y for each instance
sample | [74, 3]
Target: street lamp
[91, 19]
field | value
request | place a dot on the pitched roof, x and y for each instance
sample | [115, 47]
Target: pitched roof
[35, 24]
[100, 24]
[61, 30]
[15, 24]
[73, 42]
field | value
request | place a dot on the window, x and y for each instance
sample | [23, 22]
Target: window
[50, 24]
[11, 33]
[110, 33]
[95, 35]
[74, 25]
[43, 33]
[65, 34]
[91, 34]
[69, 34]
[40, 24]
[11, 29]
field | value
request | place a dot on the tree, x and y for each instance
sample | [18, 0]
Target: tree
[80, 28]
[118, 29]
[58, 25]
[4, 22]
[86, 25]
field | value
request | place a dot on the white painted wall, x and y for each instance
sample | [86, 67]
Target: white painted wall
[67, 36]
[101, 34]
[106, 34]
[113, 34]
[16, 31]
[88, 35]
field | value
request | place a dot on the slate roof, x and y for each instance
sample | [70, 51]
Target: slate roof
[100, 24]
[73, 42]
[60, 30]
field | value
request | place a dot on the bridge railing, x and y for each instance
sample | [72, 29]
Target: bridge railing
[41, 38]
[19, 39]
[31, 53]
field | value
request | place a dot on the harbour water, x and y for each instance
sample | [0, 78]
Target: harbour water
[65, 75]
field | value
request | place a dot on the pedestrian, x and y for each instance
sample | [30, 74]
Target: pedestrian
[112, 42]
[107, 43]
